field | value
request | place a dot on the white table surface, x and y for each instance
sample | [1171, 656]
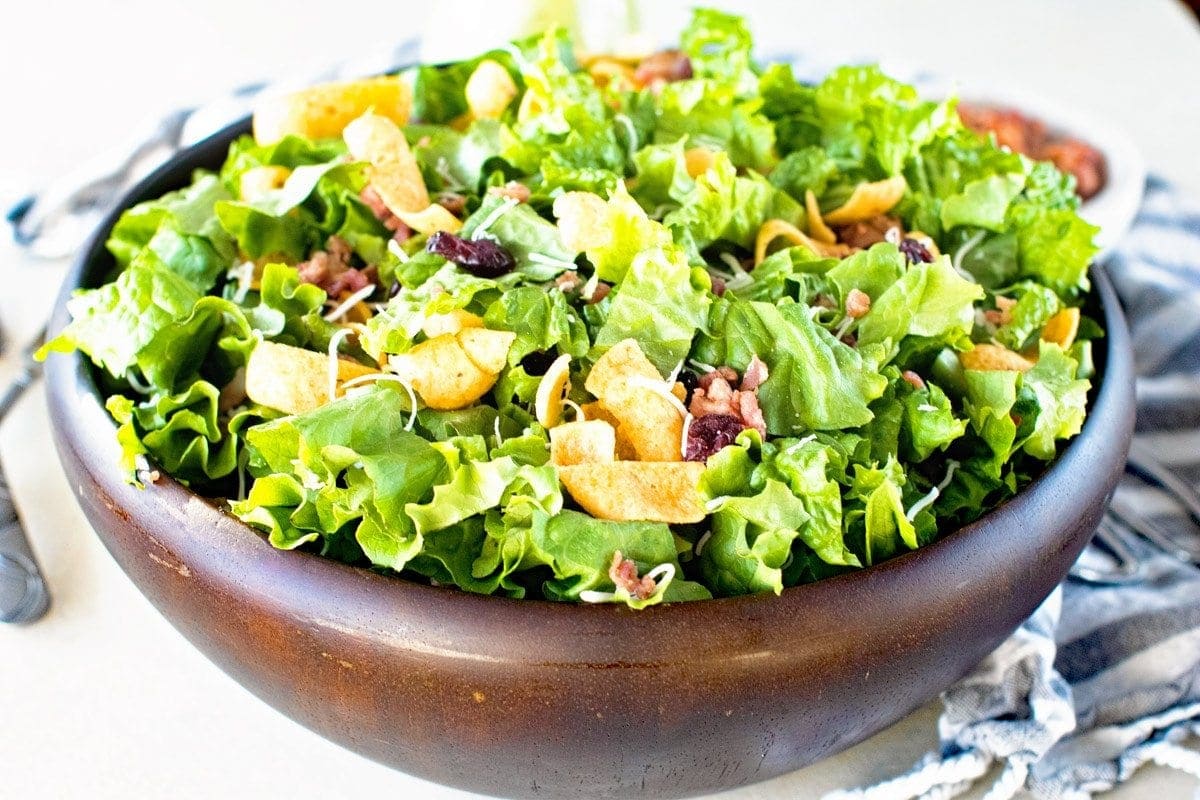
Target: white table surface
[103, 699]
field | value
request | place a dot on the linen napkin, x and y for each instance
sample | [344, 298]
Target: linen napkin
[1101, 679]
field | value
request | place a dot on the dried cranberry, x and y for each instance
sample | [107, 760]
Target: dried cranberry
[482, 258]
[710, 433]
[537, 362]
[915, 252]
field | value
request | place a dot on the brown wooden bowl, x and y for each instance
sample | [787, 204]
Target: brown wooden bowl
[530, 698]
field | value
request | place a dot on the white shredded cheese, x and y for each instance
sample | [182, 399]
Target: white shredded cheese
[391, 377]
[496, 428]
[703, 540]
[967, 246]
[687, 425]
[592, 596]
[951, 467]
[550, 261]
[631, 130]
[571, 404]
[920, 505]
[926, 407]
[715, 504]
[793, 448]
[702, 366]
[335, 341]
[508, 204]
[674, 376]
[244, 275]
[395, 249]
[136, 383]
[350, 302]
[589, 289]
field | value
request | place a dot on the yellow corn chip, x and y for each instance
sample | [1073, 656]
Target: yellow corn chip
[323, 111]
[774, 229]
[442, 373]
[1062, 328]
[257, 182]
[592, 441]
[817, 228]
[869, 200]
[450, 322]
[596, 410]
[487, 348]
[994, 358]
[698, 160]
[292, 379]
[634, 490]
[489, 90]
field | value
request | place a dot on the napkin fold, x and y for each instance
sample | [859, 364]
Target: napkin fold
[1100, 679]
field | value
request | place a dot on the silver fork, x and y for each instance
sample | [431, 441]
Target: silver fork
[1122, 516]
[24, 596]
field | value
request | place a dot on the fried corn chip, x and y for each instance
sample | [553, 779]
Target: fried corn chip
[622, 360]
[680, 391]
[292, 379]
[324, 110]
[395, 175]
[869, 200]
[817, 228]
[596, 410]
[697, 160]
[489, 90]
[994, 358]
[632, 490]
[583, 220]
[592, 441]
[487, 348]
[548, 404]
[1062, 328]
[605, 71]
[450, 322]
[442, 373]
[258, 182]
[774, 229]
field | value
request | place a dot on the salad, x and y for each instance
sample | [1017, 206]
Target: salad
[602, 329]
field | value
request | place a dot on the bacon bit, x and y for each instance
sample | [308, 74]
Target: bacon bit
[849, 339]
[665, 66]
[568, 282]
[330, 269]
[756, 373]
[1002, 314]
[877, 229]
[601, 292]
[751, 413]
[718, 285]
[514, 189]
[400, 231]
[424, 141]
[453, 202]
[623, 573]
[858, 303]
[727, 374]
[913, 379]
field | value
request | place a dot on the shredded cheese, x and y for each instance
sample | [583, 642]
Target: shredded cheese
[350, 302]
[967, 246]
[136, 384]
[578, 409]
[933, 493]
[793, 448]
[395, 249]
[335, 342]
[687, 425]
[703, 540]
[926, 407]
[391, 377]
[550, 261]
[508, 204]
[244, 275]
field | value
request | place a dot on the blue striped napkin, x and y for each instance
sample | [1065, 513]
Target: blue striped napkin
[1101, 679]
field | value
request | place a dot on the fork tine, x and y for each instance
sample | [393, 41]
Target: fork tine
[1143, 462]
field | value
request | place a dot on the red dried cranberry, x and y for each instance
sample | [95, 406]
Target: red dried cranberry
[482, 258]
[710, 433]
[915, 252]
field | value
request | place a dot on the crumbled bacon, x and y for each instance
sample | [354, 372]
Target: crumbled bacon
[665, 66]
[568, 281]
[1002, 313]
[862, 235]
[453, 202]
[715, 396]
[858, 303]
[718, 285]
[623, 573]
[400, 231]
[913, 379]
[599, 293]
[513, 189]
[755, 374]
[330, 269]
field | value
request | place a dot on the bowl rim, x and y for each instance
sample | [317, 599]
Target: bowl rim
[74, 396]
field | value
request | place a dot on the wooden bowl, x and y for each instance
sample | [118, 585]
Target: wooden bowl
[530, 698]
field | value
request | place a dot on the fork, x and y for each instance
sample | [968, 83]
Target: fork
[24, 596]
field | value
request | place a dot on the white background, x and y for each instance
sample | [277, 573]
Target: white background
[103, 699]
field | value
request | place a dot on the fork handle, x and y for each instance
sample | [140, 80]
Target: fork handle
[23, 593]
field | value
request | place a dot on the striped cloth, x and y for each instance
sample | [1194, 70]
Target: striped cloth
[1101, 679]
